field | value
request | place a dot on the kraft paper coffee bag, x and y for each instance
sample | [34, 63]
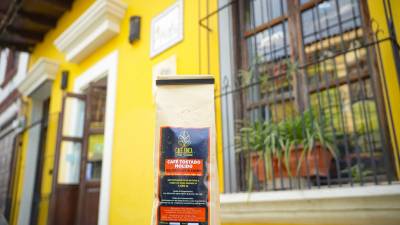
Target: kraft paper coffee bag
[186, 177]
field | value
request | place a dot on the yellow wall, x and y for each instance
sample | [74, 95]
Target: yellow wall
[132, 170]
[377, 14]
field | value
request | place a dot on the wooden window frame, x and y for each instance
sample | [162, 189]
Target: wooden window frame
[297, 49]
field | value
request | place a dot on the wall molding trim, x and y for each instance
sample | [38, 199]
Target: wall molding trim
[97, 25]
[44, 69]
[346, 205]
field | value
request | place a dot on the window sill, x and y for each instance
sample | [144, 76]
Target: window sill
[346, 205]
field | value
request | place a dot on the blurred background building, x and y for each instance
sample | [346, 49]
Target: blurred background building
[13, 67]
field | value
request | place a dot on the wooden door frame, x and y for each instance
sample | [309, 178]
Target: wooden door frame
[52, 204]
[87, 132]
[107, 66]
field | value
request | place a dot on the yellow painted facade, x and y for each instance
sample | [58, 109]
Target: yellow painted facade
[392, 82]
[132, 163]
[132, 156]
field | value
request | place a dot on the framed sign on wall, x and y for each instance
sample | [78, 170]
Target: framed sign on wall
[167, 28]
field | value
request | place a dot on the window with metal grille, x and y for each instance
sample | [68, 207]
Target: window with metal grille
[306, 105]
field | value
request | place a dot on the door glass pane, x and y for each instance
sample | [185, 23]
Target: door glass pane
[95, 157]
[74, 116]
[98, 97]
[69, 163]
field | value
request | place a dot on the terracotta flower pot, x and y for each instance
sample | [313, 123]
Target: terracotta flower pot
[258, 166]
[316, 162]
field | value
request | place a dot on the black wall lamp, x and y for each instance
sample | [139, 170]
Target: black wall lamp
[64, 79]
[134, 28]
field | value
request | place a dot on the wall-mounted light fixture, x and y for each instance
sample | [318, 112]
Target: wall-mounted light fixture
[134, 31]
[64, 79]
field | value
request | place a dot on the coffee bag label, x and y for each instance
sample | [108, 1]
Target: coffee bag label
[183, 180]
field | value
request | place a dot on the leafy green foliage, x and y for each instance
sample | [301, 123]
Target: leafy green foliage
[277, 140]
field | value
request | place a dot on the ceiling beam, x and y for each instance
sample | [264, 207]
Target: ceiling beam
[63, 5]
[16, 45]
[15, 21]
[38, 18]
[26, 34]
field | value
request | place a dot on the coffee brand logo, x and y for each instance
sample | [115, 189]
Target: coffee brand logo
[184, 139]
[184, 143]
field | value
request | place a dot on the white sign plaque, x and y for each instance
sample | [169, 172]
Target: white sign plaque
[167, 28]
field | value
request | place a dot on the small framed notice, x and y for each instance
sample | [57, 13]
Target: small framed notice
[166, 28]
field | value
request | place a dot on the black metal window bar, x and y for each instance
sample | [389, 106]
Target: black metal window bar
[309, 98]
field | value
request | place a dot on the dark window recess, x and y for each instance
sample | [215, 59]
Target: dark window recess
[12, 67]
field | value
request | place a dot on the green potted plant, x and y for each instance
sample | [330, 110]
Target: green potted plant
[309, 145]
[302, 145]
[261, 141]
